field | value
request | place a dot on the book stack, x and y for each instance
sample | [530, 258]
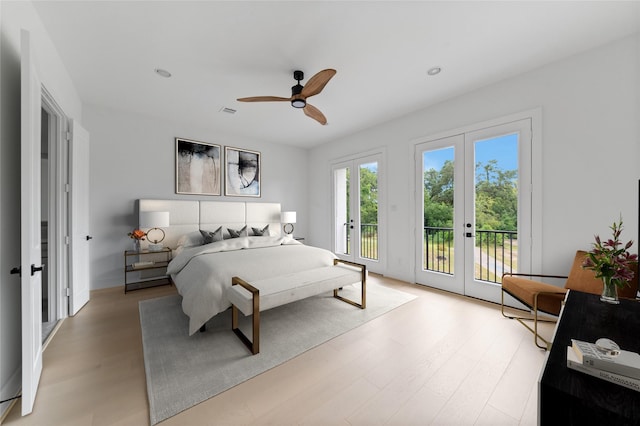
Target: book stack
[615, 366]
[143, 264]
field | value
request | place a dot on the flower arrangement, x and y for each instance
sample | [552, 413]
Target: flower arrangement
[137, 234]
[611, 260]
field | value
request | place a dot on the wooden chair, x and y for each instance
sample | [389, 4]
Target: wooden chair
[548, 298]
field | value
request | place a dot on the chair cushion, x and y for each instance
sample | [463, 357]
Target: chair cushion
[525, 291]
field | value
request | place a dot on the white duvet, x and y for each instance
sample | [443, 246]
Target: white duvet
[202, 274]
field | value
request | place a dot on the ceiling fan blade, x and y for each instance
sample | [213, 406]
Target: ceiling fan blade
[317, 82]
[263, 99]
[313, 112]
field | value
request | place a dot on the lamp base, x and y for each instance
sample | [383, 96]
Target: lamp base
[155, 247]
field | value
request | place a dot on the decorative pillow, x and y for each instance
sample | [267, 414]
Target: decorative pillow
[264, 232]
[192, 239]
[212, 237]
[239, 233]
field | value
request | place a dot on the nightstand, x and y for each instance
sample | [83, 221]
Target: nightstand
[150, 266]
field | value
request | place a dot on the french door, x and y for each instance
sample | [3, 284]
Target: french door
[473, 208]
[357, 218]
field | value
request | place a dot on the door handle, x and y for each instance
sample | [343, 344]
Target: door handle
[35, 269]
[16, 270]
[89, 237]
[468, 234]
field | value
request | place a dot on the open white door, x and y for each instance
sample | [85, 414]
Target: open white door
[30, 251]
[80, 237]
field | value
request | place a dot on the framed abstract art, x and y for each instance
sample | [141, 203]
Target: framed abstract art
[242, 172]
[198, 167]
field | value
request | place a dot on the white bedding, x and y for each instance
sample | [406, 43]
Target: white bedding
[202, 274]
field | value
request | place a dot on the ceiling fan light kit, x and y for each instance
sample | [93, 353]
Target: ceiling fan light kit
[299, 94]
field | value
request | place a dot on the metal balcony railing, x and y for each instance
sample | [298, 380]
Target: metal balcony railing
[438, 249]
[495, 252]
[369, 241]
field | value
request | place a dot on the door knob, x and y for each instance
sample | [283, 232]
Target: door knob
[89, 237]
[16, 270]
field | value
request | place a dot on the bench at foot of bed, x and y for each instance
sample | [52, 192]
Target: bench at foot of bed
[253, 297]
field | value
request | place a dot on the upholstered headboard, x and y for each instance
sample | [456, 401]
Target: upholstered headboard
[187, 216]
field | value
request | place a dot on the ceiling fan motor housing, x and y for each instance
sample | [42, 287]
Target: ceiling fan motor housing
[296, 100]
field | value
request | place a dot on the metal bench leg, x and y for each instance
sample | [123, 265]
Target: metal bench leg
[254, 344]
[363, 279]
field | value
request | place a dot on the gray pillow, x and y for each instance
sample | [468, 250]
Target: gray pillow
[239, 233]
[211, 237]
[264, 232]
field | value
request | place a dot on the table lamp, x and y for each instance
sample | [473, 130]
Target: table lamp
[155, 221]
[288, 219]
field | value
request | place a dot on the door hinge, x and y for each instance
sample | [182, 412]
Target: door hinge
[68, 291]
[68, 136]
[67, 240]
[67, 188]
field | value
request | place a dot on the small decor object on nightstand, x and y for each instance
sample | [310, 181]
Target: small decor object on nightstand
[611, 261]
[155, 221]
[137, 235]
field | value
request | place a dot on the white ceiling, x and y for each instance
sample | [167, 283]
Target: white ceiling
[218, 51]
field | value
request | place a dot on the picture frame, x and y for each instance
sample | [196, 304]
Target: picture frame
[198, 167]
[242, 172]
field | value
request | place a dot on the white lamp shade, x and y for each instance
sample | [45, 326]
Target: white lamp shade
[154, 219]
[288, 217]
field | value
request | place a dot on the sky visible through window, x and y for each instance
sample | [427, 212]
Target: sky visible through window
[503, 149]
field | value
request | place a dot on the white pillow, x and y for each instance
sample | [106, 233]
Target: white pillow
[191, 239]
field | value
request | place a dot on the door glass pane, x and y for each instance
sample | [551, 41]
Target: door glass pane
[438, 179]
[369, 211]
[496, 207]
[341, 179]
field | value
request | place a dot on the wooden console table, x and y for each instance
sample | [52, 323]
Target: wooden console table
[569, 397]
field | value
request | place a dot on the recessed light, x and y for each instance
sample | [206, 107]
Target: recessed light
[162, 73]
[434, 71]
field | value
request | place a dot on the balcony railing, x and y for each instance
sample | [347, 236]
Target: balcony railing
[369, 241]
[495, 252]
[438, 249]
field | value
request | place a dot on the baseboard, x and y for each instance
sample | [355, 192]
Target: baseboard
[9, 390]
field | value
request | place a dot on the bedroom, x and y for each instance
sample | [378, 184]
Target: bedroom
[589, 97]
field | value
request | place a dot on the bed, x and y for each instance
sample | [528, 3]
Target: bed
[202, 269]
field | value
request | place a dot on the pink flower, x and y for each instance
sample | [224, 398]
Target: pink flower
[609, 260]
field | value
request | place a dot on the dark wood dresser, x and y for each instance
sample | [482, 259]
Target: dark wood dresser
[569, 397]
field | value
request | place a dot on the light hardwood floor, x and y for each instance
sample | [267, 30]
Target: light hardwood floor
[439, 359]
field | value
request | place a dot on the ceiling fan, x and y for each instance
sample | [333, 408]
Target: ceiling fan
[299, 94]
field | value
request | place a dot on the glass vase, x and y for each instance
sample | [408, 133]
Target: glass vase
[136, 245]
[609, 291]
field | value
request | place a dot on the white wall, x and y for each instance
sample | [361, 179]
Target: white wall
[13, 17]
[133, 157]
[590, 152]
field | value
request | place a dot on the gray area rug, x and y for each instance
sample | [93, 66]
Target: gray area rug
[183, 371]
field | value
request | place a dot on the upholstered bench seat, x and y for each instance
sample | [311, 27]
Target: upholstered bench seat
[253, 297]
